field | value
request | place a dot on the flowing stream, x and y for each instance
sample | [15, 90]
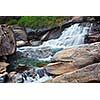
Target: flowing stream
[71, 37]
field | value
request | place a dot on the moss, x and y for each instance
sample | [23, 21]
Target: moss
[32, 62]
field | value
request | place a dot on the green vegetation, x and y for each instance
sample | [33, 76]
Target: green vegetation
[32, 62]
[41, 21]
[12, 22]
[34, 22]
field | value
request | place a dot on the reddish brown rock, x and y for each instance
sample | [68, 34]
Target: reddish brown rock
[59, 68]
[74, 58]
[92, 38]
[90, 73]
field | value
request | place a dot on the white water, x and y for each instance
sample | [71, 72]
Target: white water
[37, 79]
[71, 36]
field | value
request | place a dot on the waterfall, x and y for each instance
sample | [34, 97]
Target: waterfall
[71, 36]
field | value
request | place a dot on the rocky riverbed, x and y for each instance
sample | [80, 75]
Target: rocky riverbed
[66, 54]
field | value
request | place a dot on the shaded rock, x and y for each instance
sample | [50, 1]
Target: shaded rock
[21, 68]
[31, 34]
[74, 58]
[3, 73]
[3, 77]
[52, 34]
[94, 33]
[30, 73]
[41, 72]
[15, 77]
[19, 33]
[43, 34]
[7, 41]
[93, 38]
[11, 76]
[18, 78]
[87, 74]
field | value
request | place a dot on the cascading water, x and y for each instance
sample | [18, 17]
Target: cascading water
[72, 36]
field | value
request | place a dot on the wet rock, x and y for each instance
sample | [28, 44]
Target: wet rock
[21, 68]
[29, 73]
[15, 77]
[11, 76]
[74, 58]
[40, 72]
[36, 43]
[3, 73]
[43, 34]
[94, 33]
[87, 74]
[21, 43]
[3, 77]
[31, 34]
[19, 78]
[35, 53]
[7, 41]
[93, 38]
[52, 34]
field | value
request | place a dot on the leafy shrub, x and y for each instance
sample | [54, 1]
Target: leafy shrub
[36, 22]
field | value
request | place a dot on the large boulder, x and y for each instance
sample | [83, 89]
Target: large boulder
[90, 73]
[7, 41]
[74, 58]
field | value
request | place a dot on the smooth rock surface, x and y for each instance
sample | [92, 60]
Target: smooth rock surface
[86, 74]
[74, 58]
[59, 68]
